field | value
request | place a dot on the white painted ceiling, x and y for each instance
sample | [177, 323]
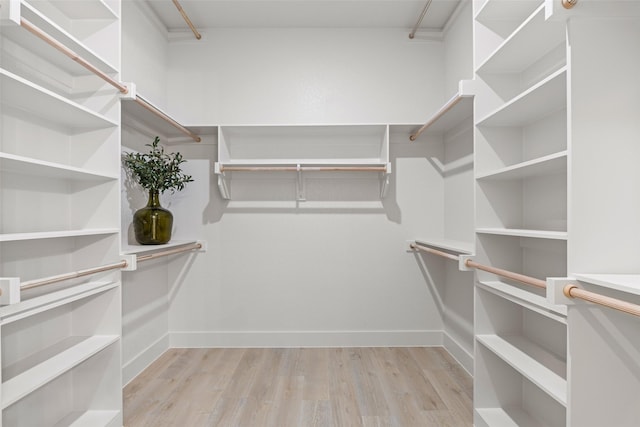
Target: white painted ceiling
[304, 13]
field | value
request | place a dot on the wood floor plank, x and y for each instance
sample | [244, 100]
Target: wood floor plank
[310, 387]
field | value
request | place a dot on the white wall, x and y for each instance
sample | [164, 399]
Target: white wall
[458, 49]
[281, 76]
[333, 273]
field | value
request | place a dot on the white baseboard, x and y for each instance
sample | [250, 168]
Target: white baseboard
[146, 357]
[414, 338]
[458, 352]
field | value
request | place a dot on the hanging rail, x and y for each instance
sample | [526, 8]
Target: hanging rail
[144, 103]
[302, 168]
[418, 247]
[73, 275]
[527, 280]
[412, 34]
[573, 291]
[448, 106]
[187, 248]
[71, 54]
[187, 20]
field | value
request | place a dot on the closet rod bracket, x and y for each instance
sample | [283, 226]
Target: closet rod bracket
[9, 290]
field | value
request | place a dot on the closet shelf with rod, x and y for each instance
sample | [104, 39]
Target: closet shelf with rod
[455, 111]
[80, 59]
[137, 108]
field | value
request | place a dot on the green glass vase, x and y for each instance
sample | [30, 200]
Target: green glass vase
[152, 224]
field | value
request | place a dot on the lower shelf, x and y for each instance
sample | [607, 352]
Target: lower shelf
[89, 419]
[535, 363]
[511, 417]
[30, 380]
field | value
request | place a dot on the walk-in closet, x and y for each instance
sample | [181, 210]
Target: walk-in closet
[387, 213]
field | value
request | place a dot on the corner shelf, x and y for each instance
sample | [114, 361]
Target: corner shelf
[507, 417]
[455, 111]
[149, 249]
[88, 419]
[86, 9]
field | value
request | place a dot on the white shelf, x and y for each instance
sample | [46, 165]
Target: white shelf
[457, 246]
[34, 167]
[134, 113]
[506, 10]
[528, 299]
[507, 417]
[546, 165]
[540, 100]
[534, 362]
[36, 46]
[88, 419]
[528, 43]
[51, 300]
[446, 118]
[304, 162]
[21, 94]
[537, 234]
[629, 283]
[12, 237]
[85, 9]
[21, 385]
[149, 249]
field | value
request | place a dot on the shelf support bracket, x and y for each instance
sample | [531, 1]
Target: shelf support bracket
[384, 181]
[9, 290]
[223, 184]
[300, 193]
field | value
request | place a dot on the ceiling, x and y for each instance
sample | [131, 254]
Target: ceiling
[304, 13]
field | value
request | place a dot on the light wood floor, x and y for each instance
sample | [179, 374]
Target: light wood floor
[301, 387]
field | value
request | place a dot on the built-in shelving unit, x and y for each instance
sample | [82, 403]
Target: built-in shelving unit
[521, 162]
[250, 152]
[59, 182]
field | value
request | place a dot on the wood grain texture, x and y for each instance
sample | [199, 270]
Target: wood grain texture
[301, 387]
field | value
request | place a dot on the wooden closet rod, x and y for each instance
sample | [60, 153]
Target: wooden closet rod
[527, 280]
[187, 20]
[416, 246]
[166, 118]
[71, 54]
[448, 106]
[73, 275]
[302, 168]
[573, 291]
[187, 248]
[412, 34]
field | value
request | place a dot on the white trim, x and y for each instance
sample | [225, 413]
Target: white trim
[142, 360]
[280, 339]
[458, 352]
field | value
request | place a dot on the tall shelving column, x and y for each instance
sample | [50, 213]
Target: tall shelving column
[59, 201]
[521, 156]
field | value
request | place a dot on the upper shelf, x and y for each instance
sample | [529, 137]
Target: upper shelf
[304, 144]
[540, 100]
[22, 95]
[506, 10]
[516, 232]
[137, 110]
[12, 30]
[13, 237]
[534, 38]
